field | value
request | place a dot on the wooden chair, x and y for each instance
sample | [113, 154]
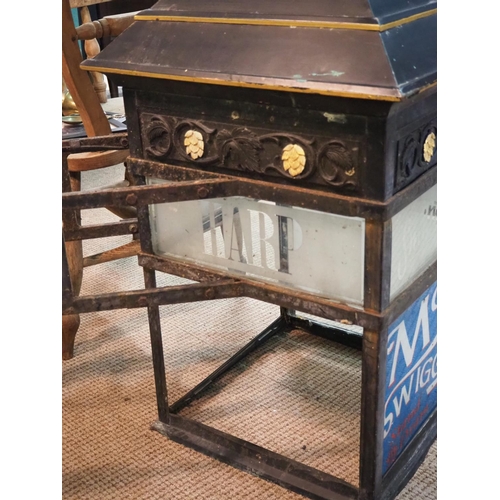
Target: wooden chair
[88, 103]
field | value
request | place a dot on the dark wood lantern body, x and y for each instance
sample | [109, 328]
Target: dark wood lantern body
[351, 85]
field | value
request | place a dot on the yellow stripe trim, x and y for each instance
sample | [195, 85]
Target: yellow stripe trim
[427, 87]
[287, 23]
[229, 83]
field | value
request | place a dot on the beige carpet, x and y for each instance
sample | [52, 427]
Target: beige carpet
[299, 395]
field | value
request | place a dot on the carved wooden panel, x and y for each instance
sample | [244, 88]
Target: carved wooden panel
[327, 161]
[416, 153]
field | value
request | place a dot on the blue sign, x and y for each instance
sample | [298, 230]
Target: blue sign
[411, 374]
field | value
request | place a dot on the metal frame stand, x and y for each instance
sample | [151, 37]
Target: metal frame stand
[213, 285]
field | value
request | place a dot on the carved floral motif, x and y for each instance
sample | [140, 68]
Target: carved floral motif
[410, 155]
[290, 155]
[416, 153]
[239, 149]
[336, 164]
[158, 135]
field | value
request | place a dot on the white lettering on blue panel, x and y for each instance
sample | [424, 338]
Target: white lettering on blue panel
[411, 374]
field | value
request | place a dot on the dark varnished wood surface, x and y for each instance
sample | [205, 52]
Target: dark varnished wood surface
[348, 63]
[357, 11]
[374, 134]
[300, 58]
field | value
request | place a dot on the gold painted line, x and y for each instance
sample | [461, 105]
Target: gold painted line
[229, 83]
[287, 23]
[427, 87]
[407, 20]
[260, 22]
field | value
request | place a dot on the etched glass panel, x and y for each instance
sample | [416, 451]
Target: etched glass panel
[414, 240]
[293, 247]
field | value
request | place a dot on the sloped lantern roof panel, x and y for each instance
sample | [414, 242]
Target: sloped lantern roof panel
[312, 12]
[393, 11]
[376, 64]
[412, 53]
[299, 59]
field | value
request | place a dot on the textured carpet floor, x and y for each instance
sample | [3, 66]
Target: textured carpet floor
[282, 397]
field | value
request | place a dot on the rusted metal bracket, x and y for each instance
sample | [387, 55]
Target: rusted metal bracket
[127, 226]
[221, 186]
[222, 289]
[99, 143]
[145, 195]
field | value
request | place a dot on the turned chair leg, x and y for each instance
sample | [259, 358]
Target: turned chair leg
[71, 322]
[70, 325]
[74, 256]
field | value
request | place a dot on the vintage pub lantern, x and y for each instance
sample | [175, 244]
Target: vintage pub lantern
[287, 151]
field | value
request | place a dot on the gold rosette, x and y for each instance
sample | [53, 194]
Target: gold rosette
[429, 147]
[294, 159]
[193, 140]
